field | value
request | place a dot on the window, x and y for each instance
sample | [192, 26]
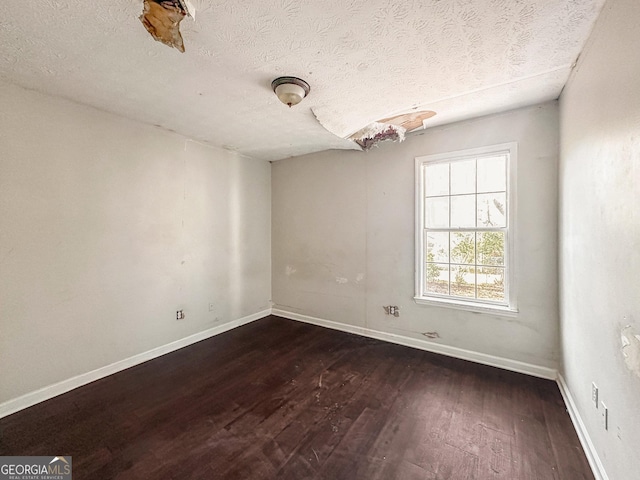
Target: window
[465, 229]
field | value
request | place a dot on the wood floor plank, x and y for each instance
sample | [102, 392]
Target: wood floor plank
[496, 455]
[533, 457]
[286, 400]
[466, 427]
[341, 407]
[564, 440]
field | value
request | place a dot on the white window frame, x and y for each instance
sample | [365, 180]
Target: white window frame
[509, 306]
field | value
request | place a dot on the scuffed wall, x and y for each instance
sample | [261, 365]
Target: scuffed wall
[631, 349]
[107, 228]
[343, 238]
[600, 236]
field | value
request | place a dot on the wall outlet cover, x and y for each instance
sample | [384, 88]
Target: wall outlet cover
[605, 416]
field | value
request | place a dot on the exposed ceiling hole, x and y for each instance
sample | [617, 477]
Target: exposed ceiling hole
[376, 132]
[391, 128]
[162, 20]
[410, 121]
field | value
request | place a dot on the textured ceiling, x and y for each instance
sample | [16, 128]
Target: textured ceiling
[364, 60]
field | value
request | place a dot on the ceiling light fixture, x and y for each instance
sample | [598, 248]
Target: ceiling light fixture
[290, 90]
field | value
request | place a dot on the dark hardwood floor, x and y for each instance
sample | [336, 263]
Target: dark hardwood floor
[281, 399]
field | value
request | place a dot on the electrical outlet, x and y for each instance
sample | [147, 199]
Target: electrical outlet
[180, 315]
[594, 394]
[605, 416]
[392, 310]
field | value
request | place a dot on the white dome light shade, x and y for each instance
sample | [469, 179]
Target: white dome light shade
[290, 90]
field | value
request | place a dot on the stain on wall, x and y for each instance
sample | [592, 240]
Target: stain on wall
[290, 270]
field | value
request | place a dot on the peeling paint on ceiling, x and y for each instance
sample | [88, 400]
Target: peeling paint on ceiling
[364, 60]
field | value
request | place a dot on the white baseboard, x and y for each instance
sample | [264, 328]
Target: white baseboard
[483, 358]
[581, 430]
[29, 399]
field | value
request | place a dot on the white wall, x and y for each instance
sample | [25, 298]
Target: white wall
[600, 235]
[343, 238]
[107, 227]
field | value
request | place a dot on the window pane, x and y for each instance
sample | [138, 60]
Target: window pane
[436, 179]
[465, 226]
[437, 212]
[492, 209]
[437, 246]
[463, 281]
[463, 248]
[490, 248]
[438, 278]
[463, 177]
[492, 174]
[491, 283]
[463, 211]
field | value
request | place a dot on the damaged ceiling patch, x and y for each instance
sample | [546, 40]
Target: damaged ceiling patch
[390, 128]
[375, 133]
[410, 121]
[162, 20]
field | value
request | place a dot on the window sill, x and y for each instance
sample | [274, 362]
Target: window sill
[468, 306]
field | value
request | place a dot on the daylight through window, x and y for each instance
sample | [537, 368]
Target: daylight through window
[464, 213]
